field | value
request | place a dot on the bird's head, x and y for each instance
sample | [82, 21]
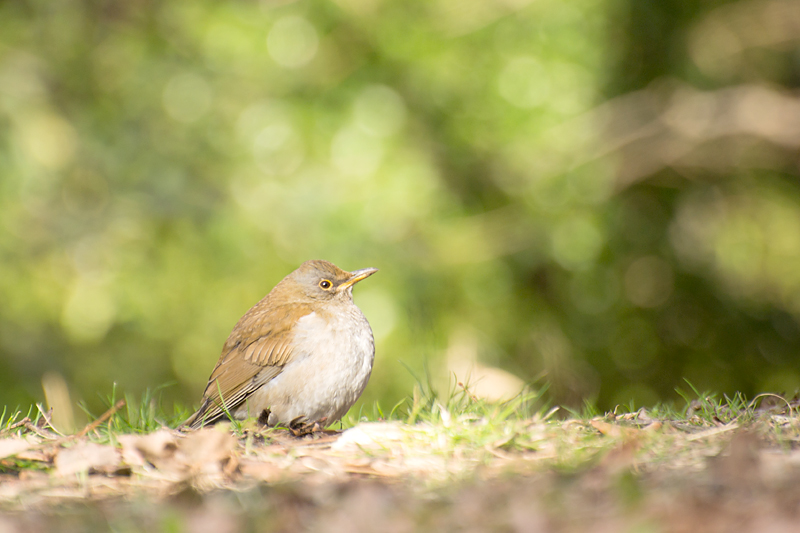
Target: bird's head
[321, 280]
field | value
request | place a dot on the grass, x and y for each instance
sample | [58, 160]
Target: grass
[134, 416]
[459, 412]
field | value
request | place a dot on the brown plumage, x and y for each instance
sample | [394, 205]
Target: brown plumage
[304, 351]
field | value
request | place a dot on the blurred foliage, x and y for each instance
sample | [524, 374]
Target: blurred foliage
[598, 195]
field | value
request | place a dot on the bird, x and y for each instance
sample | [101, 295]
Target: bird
[301, 356]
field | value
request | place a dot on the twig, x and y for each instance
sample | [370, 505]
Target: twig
[30, 426]
[713, 431]
[105, 416]
[770, 395]
[54, 443]
[16, 425]
[48, 419]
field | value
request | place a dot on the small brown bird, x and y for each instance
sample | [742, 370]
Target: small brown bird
[302, 355]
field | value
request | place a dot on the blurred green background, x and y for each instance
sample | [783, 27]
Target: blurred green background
[600, 195]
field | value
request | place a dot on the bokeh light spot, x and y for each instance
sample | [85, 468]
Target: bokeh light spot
[740, 249]
[292, 42]
[576, 242]
[524, 82]
[88, 312]
[48, 139]
[278, 149]
[380, 111]
[354, 153]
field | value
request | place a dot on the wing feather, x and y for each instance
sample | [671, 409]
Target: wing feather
[254, 353]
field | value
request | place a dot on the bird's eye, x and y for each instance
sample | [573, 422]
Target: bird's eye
[325, 284]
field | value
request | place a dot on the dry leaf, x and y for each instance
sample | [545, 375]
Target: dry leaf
[369, 435]
[13, 446]
[207, 449]
[613, 430]
[262, 471]
[154, 448]
[310, 463]
[87, 456]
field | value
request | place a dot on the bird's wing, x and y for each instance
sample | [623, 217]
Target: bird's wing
[255, 352]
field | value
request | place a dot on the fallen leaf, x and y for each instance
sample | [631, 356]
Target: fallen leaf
[205, 450]
[86, 456]
[314, 464]
[613, 430]
[369, 435]
[154, 448]
[262, 471]
[13, 446]
[42, 456]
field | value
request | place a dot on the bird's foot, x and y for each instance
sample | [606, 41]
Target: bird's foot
[300, 426]
[263, 418]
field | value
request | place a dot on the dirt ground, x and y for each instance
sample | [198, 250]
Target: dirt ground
[596, 475]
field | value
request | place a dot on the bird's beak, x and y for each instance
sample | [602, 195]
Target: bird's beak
[358, 275]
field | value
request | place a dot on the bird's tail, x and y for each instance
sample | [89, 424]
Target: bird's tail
[200, 418]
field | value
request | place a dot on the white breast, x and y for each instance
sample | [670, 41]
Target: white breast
[331, 364]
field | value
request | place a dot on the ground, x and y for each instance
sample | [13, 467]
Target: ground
[718, 466]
